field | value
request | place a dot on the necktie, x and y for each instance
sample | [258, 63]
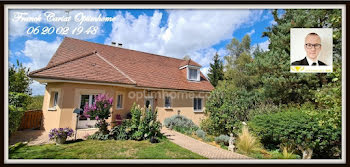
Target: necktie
[314, 64]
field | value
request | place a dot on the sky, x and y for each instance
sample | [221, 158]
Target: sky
[34, 35]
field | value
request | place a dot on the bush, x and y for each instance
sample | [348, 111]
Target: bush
[222, 140]
[264, 108]
[304, 132]
[17, 106]
[99, 136]
[181, 124]
[247, 143]
[200, 133]
[36, 103]
[142, 125]
[227, 106]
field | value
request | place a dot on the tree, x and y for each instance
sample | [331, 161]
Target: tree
[36, 102]
[18, 79]
[100, 109]
[19, 92]
[216, 71]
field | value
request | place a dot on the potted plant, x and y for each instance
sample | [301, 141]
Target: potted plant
[60, 135]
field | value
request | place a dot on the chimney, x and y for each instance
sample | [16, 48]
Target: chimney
[113, 43]
[120, 44]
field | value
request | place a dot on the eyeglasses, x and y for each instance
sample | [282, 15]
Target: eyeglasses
[316, 46]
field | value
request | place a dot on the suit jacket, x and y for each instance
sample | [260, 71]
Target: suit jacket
[304, 62]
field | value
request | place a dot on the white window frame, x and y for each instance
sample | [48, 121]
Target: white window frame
[122, 107]
[198, 110]
[90, 98]
[193, 68]
[169, 102]
[55, 99]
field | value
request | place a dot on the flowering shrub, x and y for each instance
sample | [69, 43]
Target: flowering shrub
[100, 107]
[100, 111]
[60, 133]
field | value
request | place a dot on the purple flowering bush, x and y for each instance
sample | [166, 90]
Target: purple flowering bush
[60, 133]
[100, 111]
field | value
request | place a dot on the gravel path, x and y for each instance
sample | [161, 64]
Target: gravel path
[200, 147]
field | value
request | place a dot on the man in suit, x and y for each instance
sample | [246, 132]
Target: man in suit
[312, 47]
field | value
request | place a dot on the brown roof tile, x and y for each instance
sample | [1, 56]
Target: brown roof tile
[118, 65]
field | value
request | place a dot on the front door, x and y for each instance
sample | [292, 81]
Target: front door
[148, 102]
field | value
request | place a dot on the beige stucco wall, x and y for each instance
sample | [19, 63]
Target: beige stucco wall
[70, 94]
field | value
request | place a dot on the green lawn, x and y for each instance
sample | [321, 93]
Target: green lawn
[109, 149]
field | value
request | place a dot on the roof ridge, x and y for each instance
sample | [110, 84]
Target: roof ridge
[57, 64]
[127, 49]
[115, 67]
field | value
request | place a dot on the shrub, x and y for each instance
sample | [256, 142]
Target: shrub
[17, 105]
[142, 125]
[200, 133]
[222, 140]
[264, 108]
[36, 103]
[247, 143]
[99, 136]
[227, 106]
[304, 132]
[180, 123]
[100, 111]
[120, 132]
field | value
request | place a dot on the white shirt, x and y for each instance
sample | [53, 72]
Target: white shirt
[311, 61]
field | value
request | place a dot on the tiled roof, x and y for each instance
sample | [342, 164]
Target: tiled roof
[189, 62]
[86, 61]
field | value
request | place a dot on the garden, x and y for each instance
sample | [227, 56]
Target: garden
[271, 112]
[297, 115]
[135, 138]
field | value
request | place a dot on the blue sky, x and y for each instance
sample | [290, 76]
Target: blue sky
[174, 33]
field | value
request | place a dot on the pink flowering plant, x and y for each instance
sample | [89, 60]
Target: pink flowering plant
[100, 111]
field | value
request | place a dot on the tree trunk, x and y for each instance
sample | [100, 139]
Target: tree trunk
[307, 153]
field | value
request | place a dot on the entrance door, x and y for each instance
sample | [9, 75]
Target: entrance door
[149, 101]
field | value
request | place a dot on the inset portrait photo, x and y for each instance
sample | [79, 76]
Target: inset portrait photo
[311, 50]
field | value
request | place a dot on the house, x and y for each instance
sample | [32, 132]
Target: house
[79, 70]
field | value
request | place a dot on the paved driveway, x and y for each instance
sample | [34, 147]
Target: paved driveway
[36, 137]
[200, 147]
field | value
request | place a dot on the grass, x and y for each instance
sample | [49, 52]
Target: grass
[247, 143]
[109, 149]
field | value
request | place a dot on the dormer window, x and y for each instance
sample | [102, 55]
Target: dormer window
[192, 68]
[193, 73]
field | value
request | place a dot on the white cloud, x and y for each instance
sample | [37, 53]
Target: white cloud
[40, 52]
[205, 71]
[251, 32]
[37, 88]
[273, 22]
[264, 45]
[187, 32]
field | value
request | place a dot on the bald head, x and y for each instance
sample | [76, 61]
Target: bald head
[312, 46]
